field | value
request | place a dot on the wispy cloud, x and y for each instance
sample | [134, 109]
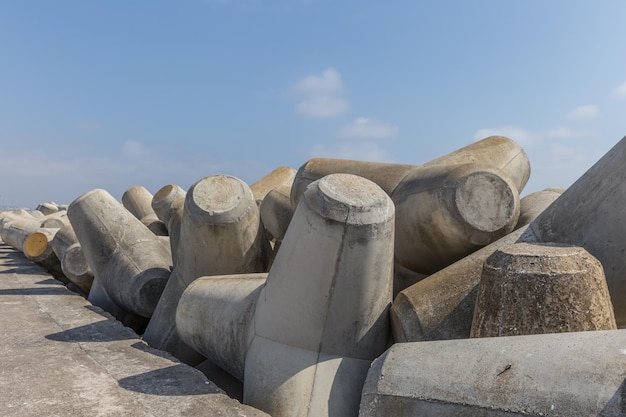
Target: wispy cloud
[366, 128]
[621, 90]
[323, 95]
[588, 111]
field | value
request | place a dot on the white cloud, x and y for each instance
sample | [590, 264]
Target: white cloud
[323, 106]
[322, 95]
[621, 90]
[584, 112]
[362, 151]
[329, 83]
[366, 128]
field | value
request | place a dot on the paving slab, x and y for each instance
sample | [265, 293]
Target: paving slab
[62, 356]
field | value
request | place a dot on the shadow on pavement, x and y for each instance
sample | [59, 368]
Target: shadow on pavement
[170, 381]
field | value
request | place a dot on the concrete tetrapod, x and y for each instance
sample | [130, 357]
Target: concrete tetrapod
[322, 316]
[533, 204]
[220, 233]
[38, 248]
[446, 208]
[550, 375]
[138, 201]
[588, 214]
[16, 229]
[535, 288]
[130, 263]
[73, 263]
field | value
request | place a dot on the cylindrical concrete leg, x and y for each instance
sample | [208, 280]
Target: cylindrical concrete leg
[220, 233]
[73, 263]
[15, 231]
[138, 201]
[48, 208]
[276, 211]
[215, 316]
[55, 220]
[533, 204]
[541, 288]
[132, 263]
[162, 200]
[322, 316]
[446, 212]
[278, 177]
[38, 248]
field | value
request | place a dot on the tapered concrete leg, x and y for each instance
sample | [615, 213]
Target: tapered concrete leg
[560, 374]
[541, 288]
[276, 211]
[322, 315]
[278, 177]
[131, 263]
[215, 316]
[138, 201]
[590, 214]
[533, 204]
[55, 220]
[441, 306]
[220, 233]
[73, 262]
[162, 200]
[16, 229]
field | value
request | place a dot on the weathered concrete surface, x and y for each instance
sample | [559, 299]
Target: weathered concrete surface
[73, 262]
[276, 211]
[441, 306]
[559, 374]
[590, 213]
[38, 248]
[215, 316]
[322, 316]
[446, 208]
[220, 233]
[163, 198]
[533, 204]
[535, 288]
[129, 262]
[280, 176]
[61, 356]
[138, 200]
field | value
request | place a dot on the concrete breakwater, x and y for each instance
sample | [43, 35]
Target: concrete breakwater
[354, 288]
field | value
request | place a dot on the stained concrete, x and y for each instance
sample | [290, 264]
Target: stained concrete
[61, 356]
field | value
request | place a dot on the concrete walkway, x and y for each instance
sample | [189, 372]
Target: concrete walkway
[61, 356]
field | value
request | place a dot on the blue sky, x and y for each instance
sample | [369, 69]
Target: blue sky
[112, 94]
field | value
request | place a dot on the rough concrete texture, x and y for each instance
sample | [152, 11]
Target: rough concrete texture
[48, 208]
[215, 316]
[322, 316]
[445, 212]
[129, 262]
[280, 176]
[38, 248]
[446, 208]
[73, 262]
[163, 198]
[404, 278]
[535, 288]
[15, 230]
[138, 200]
[441, 306]
[533, 204]
[56, 220]
[220, 233]
[276, 211]
[590, 213]
[61, 356]
[564, 374]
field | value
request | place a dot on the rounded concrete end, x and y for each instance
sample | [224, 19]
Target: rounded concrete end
[35, 244]
[162, 200]
[349, 198]
[486, 201]
[219, 199]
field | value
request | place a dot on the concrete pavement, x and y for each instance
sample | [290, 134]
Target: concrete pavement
[61, 356]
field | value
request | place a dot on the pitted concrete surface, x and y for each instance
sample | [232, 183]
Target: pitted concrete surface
[61, 356]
